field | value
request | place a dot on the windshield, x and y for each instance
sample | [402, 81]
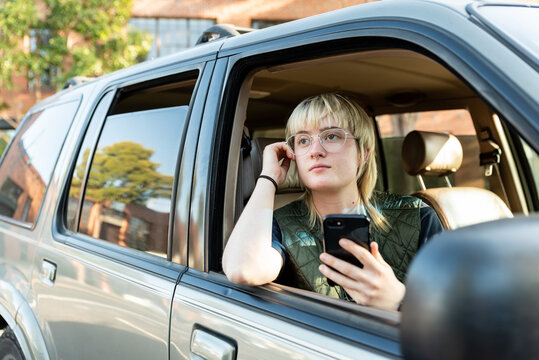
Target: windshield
[518, 24]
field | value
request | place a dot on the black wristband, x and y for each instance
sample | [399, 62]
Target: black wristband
[270, 179]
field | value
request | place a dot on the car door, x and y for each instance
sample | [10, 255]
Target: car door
[215, 319]
[108, 266]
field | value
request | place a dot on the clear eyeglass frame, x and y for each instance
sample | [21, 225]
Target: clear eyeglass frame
[332, 140]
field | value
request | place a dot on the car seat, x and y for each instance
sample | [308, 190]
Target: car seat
[440, 154]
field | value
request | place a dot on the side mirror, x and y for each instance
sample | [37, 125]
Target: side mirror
[473, 293]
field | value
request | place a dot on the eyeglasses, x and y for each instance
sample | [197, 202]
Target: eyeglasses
[332, 140]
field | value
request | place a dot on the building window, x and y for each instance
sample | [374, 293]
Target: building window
[260, 24]
[39, 39]
[171, 35]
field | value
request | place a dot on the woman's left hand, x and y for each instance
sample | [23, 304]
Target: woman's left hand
[374, 285]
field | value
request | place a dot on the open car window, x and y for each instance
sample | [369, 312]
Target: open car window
[387, 83]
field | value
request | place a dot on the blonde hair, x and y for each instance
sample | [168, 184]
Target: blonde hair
[345, 113]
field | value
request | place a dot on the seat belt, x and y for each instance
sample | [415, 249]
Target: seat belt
[245, 172]
[489, 157]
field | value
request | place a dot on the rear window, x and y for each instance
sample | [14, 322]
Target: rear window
[393, 128]
[28, 164]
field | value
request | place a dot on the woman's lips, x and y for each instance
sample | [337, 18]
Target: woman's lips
[319, 167]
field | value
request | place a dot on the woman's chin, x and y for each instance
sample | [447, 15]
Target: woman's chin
[325, 187]
[330, 185]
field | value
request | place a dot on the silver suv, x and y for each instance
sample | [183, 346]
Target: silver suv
[118, 195]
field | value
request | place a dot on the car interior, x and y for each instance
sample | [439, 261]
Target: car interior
[458, 155]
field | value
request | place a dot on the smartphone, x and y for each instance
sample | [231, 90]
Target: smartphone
[351, 226]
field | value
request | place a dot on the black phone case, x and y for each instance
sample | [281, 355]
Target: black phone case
[351, 226]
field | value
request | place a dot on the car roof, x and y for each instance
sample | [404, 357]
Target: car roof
[424, 10]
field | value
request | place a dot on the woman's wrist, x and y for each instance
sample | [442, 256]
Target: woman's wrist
[269, 179]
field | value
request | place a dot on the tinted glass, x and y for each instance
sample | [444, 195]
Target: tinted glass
[128, 194]
[75, 189]
[27, 167]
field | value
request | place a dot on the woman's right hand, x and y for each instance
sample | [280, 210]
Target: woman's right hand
[273, 153]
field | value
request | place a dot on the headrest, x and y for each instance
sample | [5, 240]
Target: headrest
[257, 150]
[430, 153]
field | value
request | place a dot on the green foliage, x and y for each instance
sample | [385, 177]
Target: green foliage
[77, 38]
[123, 172]
[91, 37]
[16, 18]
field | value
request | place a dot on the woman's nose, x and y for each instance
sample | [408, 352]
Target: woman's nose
[317, 149]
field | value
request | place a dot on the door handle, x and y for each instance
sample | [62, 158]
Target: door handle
[48, 272]
[205, 345]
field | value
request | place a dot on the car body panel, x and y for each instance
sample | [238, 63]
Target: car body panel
[199, 304]
[122, 296]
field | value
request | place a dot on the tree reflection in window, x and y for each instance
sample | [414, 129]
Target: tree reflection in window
[128, 194]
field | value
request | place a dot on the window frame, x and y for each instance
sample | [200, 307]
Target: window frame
[158, 265]
[527, 176]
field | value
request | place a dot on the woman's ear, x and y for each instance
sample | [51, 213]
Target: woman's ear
[290, 155]
[366, 154]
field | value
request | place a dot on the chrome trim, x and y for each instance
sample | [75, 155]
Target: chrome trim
[48, 272]
[210, 347]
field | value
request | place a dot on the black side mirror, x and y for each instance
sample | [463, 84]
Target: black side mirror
[473, 293]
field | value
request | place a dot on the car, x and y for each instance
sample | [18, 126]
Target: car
[117, 195]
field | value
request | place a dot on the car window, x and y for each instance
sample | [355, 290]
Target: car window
[28, 164]
[393, 128]
[122, 183]
[440, 102]
[75, 188]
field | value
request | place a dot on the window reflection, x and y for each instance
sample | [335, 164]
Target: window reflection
[128, 194]
[28, 165]
[75, 188]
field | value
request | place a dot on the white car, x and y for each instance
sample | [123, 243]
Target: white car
[118, 195]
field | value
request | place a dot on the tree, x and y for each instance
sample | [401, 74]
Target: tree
[16, 19]
[87, 38]
[67, 38]
[123, 172]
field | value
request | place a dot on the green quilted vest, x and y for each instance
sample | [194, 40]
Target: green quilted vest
[304, 245]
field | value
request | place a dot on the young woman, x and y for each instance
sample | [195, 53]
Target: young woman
[332, 141]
